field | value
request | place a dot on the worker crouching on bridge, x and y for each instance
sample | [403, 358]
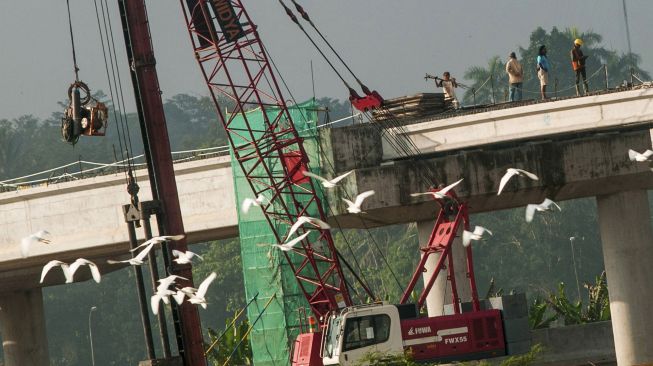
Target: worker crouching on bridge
[578, 64]
[447, 83]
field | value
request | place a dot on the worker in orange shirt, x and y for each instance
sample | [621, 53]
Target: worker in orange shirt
[578, 64]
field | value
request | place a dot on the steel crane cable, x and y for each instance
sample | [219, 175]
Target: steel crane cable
[118, 103]
[306, 17]
[72, 41]
[364, 282]
[408, 147]
[106, 67]
[399, 144]
[296, 21]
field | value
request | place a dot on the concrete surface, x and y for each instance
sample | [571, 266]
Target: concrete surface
[624, 220]
[24, 339]
[573, 167]
[85, 218]
[575, 115]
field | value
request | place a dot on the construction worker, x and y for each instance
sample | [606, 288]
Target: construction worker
[578, 64]
[515, 77]
[447, 83]
[543, 70]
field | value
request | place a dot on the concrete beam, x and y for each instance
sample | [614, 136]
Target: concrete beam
[592, 113]
[568, 168]
[85, 218]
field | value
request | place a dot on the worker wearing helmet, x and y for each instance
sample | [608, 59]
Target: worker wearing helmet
[578, 64]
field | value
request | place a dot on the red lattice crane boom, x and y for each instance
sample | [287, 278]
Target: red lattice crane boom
[235, 64]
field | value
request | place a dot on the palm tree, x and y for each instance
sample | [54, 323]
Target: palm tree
[488, 83]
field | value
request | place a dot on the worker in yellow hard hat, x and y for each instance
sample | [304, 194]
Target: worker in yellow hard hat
[578, 64]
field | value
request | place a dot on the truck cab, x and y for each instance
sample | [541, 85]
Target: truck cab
[355, 331]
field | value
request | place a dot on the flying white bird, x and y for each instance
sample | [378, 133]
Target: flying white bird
[355, 207]
[546, 205]
[635, 156]
[199, 297]
[40, 236]
[512, 172]
[183, 292]
[327, 183]
[184, 257]
[165, 282]
[138, 259]
[301, 220]
[158, 240]
[95, 272]
[441, 194]
[158, 296]
[477, 234]
[249, 202]
[162, 292]
[289, 245]
[54, 263]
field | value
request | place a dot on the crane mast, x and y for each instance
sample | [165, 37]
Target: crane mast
[235, 65]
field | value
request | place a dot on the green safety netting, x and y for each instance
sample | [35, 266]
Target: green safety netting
[265, 268]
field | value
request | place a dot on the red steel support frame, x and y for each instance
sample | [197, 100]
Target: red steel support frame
[235, 65]
[144, 66]
[441, 240]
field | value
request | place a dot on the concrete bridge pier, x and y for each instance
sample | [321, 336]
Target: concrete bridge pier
[627, 238]
[440, 294]
[24, 340]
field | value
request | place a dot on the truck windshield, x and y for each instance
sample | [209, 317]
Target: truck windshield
[332, 336]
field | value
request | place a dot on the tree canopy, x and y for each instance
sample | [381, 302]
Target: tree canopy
[490, 82]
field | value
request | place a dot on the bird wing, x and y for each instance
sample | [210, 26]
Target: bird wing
[480, 230]
[204, 286]
[193, 254]
[448, 188]
[632, 154]
[548, 203]
[315, 176]
[25, 243]
[75, 265]
[177, 253]
[340, 177]
[48, 267]
[421, 194]
[246, 205]
[319, 223]
[506, 177]
[154, 303]
[648, 153]
[349, 203]
[140, 256]
[530, 212]
[467, 238]
[290, 244]
[95, 271]
[361, 197]
[527, 174]
[179, 297]
[301, 220]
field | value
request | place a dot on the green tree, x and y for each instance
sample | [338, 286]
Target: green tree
[488, 83]
[561, 77]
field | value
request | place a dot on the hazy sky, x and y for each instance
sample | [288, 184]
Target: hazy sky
[390, 44]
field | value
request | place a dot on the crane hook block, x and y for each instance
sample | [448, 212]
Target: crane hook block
[372, 100]
[84, 114]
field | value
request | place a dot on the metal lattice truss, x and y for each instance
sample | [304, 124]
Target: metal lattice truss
[235, 65]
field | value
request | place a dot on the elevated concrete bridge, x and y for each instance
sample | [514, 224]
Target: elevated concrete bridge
[578, 148]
